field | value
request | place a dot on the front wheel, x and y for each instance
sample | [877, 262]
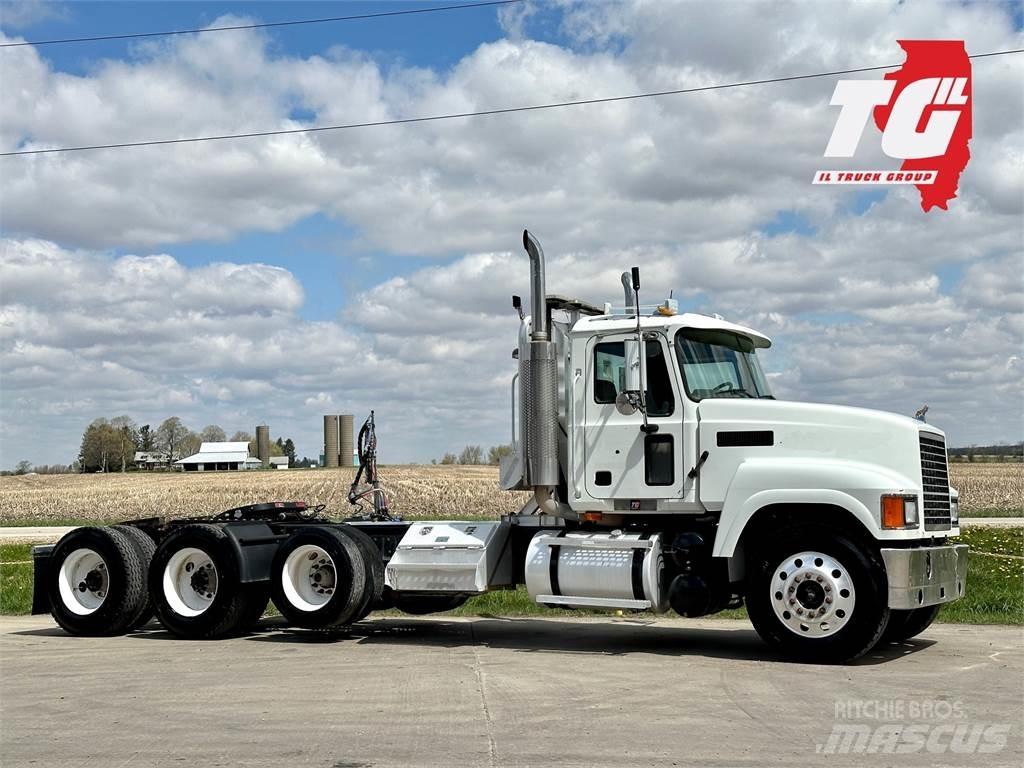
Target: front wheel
[817, 595]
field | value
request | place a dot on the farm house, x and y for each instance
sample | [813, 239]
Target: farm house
[150, 459]
[213, 457]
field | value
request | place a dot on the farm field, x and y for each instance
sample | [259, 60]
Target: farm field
[996, 488]
[436, 492]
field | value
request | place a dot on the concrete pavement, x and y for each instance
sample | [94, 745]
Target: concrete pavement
[39, 534]
[993, 522]
[504, 692]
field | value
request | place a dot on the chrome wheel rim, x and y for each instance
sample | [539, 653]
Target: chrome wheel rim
[812, 594]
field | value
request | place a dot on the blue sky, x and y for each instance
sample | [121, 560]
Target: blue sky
[432, 40]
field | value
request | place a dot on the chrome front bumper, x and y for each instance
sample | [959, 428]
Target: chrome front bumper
[925, 576]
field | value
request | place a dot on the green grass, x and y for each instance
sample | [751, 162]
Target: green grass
[15, 580]
[995, 585]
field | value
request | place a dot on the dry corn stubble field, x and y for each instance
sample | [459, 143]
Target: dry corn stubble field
[988, 486]
[416, 492]
[431, 492]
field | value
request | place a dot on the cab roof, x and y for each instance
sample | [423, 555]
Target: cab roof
[589, 324]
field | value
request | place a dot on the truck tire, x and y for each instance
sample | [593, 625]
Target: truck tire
[374, 569]
[194, 586]
[421, 605]
[904, 625]
[97, 582]
[145, 547]
[318, 578]
[817, 596]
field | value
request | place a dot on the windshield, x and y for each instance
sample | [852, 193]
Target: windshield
[719, 364]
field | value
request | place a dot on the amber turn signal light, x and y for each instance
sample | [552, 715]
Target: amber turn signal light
[899, 511]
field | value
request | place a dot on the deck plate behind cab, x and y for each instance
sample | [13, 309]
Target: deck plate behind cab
[451, 557]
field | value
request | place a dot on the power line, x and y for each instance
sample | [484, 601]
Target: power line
[480, 113]
[265, 25]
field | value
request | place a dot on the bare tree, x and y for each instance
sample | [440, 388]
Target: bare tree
[169, 438]
[127, 437]
[213, 434]
[191, 443]
[497, 453]
[99, 444]
[472, 454]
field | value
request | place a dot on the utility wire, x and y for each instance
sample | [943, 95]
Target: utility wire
[292, 23]
[480, 113]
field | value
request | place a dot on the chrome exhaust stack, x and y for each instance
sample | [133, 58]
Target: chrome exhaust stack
[539, 382]
[627, 289]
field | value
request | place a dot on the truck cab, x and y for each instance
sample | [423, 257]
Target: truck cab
[663, 425]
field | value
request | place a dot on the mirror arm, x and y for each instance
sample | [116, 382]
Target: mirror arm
[641, 355]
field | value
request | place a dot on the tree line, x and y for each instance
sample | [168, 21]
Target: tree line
[110, 445]
[474, 455]
[1001, 452]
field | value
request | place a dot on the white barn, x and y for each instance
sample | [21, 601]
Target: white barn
[213, 457]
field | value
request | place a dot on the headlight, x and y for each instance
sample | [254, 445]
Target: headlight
[910, 511]
[954, 510]
[899, 511]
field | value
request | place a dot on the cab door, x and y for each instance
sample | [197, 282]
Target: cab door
[621, 462]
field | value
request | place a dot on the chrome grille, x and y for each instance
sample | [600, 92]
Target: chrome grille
[934, 482]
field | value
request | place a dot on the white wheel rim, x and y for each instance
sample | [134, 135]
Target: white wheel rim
[308, 577]
[812, 594]
[83, 581]
[190, 581]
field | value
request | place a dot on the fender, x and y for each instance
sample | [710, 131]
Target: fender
[853, 486]
[255, 545]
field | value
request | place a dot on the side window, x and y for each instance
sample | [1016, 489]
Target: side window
[610, 376]
[660, 400]
[609, 371]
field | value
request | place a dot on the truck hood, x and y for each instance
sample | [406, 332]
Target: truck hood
[813, 430]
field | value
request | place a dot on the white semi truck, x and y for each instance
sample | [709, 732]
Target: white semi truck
[664, 476]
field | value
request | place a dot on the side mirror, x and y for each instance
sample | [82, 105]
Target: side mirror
[632, 350]
[624, 404]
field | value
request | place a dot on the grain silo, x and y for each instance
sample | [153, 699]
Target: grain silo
[346, 423]
[331, 441]
[263, 444]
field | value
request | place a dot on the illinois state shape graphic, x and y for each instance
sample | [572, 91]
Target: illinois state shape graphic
[946, 59]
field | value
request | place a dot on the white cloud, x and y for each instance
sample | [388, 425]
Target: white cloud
[20, 14]
[463, 185]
